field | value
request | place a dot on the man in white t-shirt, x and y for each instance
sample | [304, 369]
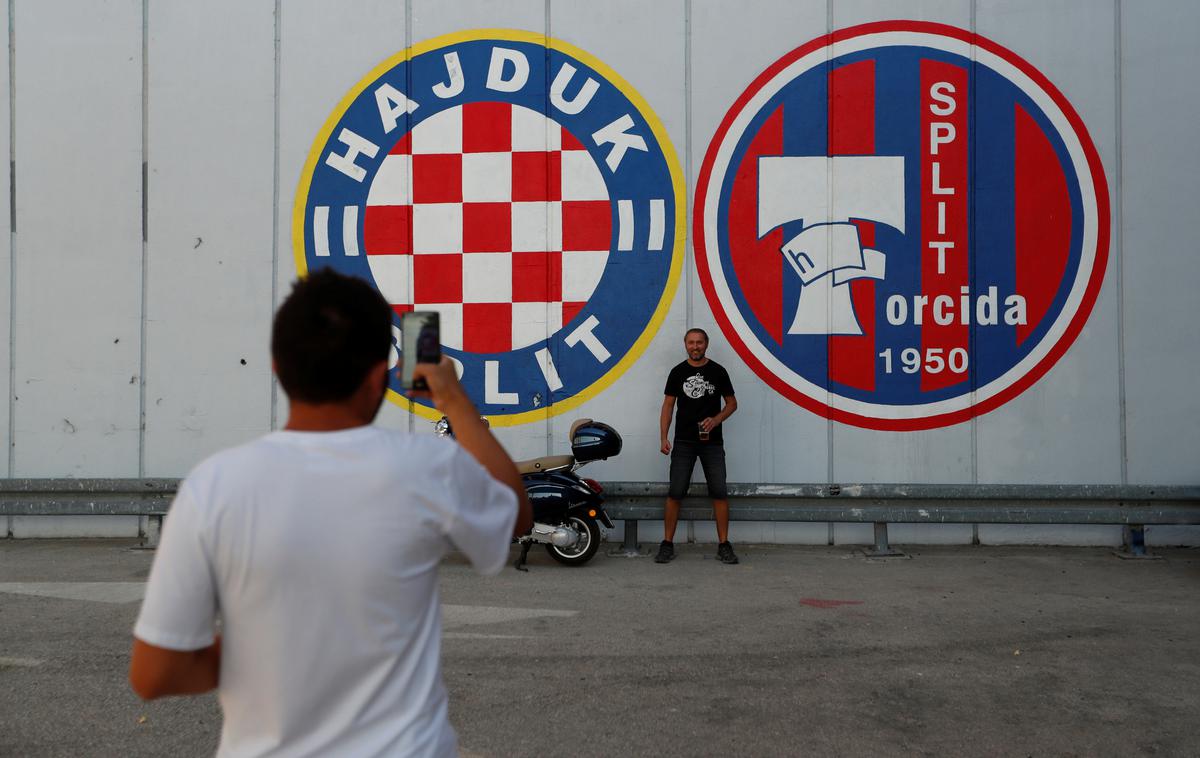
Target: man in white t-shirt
[317, 548]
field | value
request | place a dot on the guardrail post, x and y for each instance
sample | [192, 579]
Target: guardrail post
[882, 549]
[153, 532]
[1137, 540]
[629, 546]
[1135, 544]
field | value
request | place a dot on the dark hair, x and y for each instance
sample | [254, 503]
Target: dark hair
[697, 330]
[327, 335]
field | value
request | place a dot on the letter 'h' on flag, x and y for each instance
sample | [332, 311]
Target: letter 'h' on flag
[824, 193]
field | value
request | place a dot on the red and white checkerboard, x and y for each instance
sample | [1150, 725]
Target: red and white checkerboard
[496, 217]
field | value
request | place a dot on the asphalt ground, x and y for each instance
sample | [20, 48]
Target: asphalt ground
[955, 651]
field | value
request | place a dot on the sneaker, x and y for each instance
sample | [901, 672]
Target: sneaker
[666, 552]
[725, 553]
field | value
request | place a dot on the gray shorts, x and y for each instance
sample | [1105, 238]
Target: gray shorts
[683, 462]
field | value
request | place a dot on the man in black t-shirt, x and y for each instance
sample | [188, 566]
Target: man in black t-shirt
[695, 390]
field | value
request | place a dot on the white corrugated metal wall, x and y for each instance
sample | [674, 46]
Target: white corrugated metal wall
[139, 313]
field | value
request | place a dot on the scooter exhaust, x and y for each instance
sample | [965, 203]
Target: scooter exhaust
[559, 536]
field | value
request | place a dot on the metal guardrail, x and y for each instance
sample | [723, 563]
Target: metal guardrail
[896, 503]
[879, 504]
[86, 497]
[923, 503]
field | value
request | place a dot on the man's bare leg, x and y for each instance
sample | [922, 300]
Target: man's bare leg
[671, 518]
[721, 516]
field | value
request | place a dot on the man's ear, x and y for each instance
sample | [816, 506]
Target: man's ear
[380, 376]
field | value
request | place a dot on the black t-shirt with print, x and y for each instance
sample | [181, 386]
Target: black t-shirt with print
[697, 391]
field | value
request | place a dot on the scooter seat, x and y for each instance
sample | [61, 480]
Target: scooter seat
[545, 463]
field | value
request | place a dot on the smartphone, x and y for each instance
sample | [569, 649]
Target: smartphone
[420, 342]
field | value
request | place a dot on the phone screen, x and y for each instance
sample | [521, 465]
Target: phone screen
[420, 342]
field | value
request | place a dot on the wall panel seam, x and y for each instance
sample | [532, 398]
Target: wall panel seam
[830, 470]
[974, 375]
[145, 283]
[1119, 247]
[689, 179]
[408, 43]
[547, 32]
[12, 240]
[274, 396]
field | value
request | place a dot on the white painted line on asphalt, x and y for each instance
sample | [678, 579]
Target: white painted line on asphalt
[472, 636]
[453, 616]
[25, 663]
[466, 615]
[97, 592]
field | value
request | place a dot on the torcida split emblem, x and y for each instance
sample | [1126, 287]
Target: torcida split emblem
[901, 225]
[520, 188]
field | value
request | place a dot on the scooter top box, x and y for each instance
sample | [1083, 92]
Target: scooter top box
[593, 440]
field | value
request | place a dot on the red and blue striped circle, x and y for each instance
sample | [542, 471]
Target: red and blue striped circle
[901, 225]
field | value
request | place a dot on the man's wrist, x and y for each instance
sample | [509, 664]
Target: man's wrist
[456, 402]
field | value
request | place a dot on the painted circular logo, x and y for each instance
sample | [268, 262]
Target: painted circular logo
[901, 226]
[520, 188]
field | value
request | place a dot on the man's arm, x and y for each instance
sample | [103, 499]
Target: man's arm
[175, 651]
[726, 411]
[449, 397]
[664, 423]
[156, 671]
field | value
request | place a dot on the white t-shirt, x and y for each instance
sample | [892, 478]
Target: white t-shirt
[319, 552]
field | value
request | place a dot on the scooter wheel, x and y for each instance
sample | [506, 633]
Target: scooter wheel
[581, 552]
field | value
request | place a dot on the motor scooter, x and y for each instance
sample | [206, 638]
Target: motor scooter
[567, 509]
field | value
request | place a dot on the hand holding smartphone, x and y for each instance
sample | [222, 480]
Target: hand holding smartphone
[420, 342]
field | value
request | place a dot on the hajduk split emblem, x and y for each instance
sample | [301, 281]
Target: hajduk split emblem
[901, 225]
[520, 188]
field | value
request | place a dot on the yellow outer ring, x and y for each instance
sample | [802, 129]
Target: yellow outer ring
[660, 134]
